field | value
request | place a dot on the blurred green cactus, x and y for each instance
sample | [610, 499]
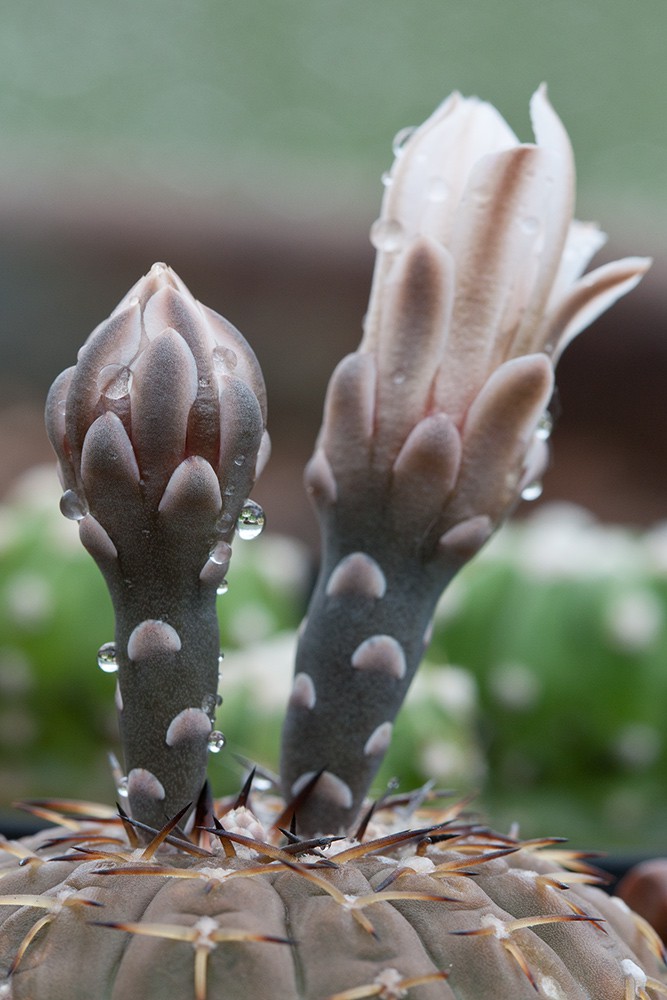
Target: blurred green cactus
[544, 669]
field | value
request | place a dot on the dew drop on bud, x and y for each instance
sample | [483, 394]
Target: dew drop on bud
[209, 704]
[216, 741]
[225, 359]
[251, 520]
[387, 179]
[114, 381]
[221, 658]
[222, 588]
[224, 523]
[438, 189]
[530, 225]
[544, 427]
[220, 553]
[121, 787]
[106, 658]
[72, 506]
[532, 491]
[387, 235]
[400, 139]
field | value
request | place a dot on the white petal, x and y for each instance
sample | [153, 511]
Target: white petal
[590, 297]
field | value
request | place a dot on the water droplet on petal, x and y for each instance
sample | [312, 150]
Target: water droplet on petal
[216, 741]
[158, 268]
[398, 378]
[222, 588]
[106, 658]
[530, 225]
[114, 381]
[239, 460]
[224, 523]
[61, 406]
[250, 521]
[220, 553]
[387, 179]
[544, 427]
[224, 359]
[438, 189]
[400, 139]
[387, 235]
[72, 506]
[532, 491]
[221, 658]
[210, 703]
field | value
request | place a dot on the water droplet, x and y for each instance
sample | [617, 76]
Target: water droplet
[387, 235]
[114, 381]
[239, 460]
[544, 427]
[210, 703]
[401, 139]
[106, 658]
[224, 523]
[261, 784]
[216, 741]
[221, 553]
[398, 378]
[438, 189]
[61, 407]
[72, 506]
[530, 225]
[221, 659]
[119, 779]
[158, 268]
[532, 491]
[204, 383]
[251, 521]
[222, 588]
[224, 359]
[481, 197]
[387, 179]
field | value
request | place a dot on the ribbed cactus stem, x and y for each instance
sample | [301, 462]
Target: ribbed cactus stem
[159, 432]
[167, 651]
[363, 639]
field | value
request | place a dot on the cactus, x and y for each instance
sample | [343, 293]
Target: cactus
[430, 436]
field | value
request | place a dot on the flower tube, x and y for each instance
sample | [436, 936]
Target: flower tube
[159, 433]
[435, 426]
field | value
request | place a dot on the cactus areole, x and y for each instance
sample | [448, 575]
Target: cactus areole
[433, 430]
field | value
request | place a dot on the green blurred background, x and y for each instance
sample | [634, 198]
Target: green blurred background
[244, 143]
[266, 96]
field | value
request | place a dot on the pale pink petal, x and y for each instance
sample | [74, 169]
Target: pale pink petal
[426, 183]
[417, 310]
[496, 435]
[589, 297]
[498, 224]
[584, 239]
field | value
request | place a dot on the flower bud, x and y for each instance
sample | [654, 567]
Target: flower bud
[159, 433]
[436, 425]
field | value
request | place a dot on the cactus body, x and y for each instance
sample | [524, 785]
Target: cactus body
[446, 911]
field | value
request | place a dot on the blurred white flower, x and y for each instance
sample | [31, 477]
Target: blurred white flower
[634, 620]
[515, 686]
